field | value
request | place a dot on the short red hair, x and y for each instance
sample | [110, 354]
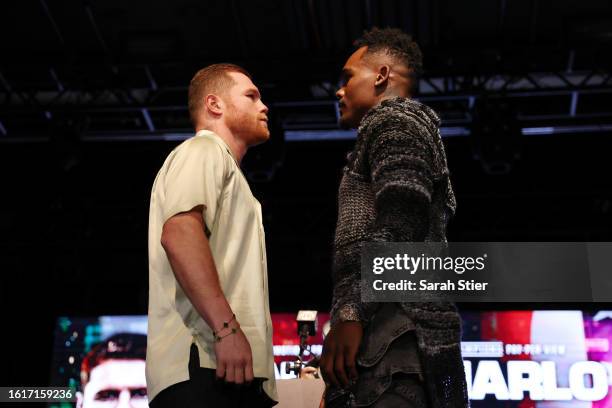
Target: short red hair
[213, 79]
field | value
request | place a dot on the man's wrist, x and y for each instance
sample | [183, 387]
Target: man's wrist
[348, 313]
[231, 323]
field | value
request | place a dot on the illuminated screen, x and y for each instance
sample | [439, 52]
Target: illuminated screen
[538, 358]
[517, 359]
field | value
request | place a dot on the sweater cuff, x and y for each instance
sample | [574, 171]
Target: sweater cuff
[348, 313]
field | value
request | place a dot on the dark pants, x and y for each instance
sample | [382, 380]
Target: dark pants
[404, 391]
[390, 372]
[203, 390]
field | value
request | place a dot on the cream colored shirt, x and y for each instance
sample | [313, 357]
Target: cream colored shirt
[202, 171]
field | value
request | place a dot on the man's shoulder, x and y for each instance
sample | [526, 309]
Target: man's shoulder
[200, 141]
[400, 112]
[195, 152]
[204, 145]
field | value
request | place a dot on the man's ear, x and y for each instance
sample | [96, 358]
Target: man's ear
[383, 75]
[213, 104]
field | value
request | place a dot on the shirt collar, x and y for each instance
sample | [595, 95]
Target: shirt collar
[214, 136]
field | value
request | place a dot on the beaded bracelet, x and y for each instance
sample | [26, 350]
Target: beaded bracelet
[225, 326]
[219, 338]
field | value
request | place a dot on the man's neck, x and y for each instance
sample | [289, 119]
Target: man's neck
[391, 93]
[237, 146]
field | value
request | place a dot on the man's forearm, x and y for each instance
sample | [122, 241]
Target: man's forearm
[191, 259]
[346, 302]
[402, 219]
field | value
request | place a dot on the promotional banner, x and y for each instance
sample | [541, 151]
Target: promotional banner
[521, 358]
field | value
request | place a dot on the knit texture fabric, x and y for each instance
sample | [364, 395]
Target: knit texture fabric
[396, 188]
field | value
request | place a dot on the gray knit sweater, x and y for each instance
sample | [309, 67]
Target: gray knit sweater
[396, 188]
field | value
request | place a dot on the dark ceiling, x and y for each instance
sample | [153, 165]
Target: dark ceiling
[121, 68]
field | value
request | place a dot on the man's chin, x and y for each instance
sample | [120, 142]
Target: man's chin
[346, 123]
[265, 135]
[261, 138]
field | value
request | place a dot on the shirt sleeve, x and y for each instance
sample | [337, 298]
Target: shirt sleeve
[196, 176]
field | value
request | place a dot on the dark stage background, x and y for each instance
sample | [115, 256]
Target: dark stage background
[93, 98]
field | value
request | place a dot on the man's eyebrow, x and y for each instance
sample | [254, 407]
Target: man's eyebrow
[253, 90]
[345, 74]
[107, 391]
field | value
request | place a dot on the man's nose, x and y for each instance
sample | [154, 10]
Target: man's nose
[340, 93]
[265, 108]
[124, 399]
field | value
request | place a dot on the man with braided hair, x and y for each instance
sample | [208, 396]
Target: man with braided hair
[395, 188]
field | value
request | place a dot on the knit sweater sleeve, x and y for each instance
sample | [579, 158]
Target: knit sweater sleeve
[401, 165]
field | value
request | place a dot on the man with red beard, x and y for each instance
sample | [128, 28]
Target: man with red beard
[395, 188]
[210, 331]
